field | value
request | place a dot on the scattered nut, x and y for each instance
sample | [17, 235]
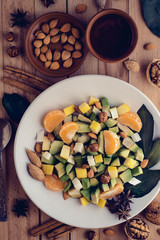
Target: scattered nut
[132, 65]
[54, 32]
[103, 117]
[41, 35]
[153, 73]
[47, 40]
[53, 23]
[71, 39]
[78, 45]
[68, 47]
[55, 39]
[150, 46]
[65, 55]
[37, 51]
[77, 54]
[65, 28]
[81, 8]
[37, 43]
[68, 63]
[98, 105]
[49, 55]
[152, 212]
[13, 51]
[71, 147]
[105, 178]
[47, 64]
[34, 158]
[56, 55]
[109, 232]
[45, 28]
[64, 38]
[123, 134]
[42, 57]
[85, 166]
[36, 172]
[55, 66]
[44, 49]
[50, 137]
[94, 147]
[38, 148]
[10, 36]
[65, 195]
[92, 135]
[144, 163]
[75, 32]
[90, 173]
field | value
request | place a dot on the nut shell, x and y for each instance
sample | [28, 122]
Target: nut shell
[152, 212]
[148, 72]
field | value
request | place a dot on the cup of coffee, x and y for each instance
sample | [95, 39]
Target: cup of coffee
[111, 35]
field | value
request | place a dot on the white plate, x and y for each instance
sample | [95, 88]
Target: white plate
[75, 90]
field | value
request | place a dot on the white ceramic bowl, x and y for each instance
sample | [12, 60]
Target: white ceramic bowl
[75, 90]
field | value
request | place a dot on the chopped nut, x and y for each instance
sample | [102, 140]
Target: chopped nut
[10, 36]
[38, 147]
[144, 163]
[103, 117]
[85, 166]
[98, 105]
[77, 109]
[109, 232]
[90, 173]
[92, 135]
[105, 178]
[94, 147]
[92, 235]
[132, 65]
[81, 8]
[36, 172]
[50, 137]
[65, 195]
[71, 147]
[123, 134]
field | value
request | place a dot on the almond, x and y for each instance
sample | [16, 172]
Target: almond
[38, 148]
[49, 55]
[67, 63]
[56, 55]
[90, 173]
[55, 66]
[64, 38]
[75, 32]
[65, 195]
[109, 232]
[123, 134]
[37, 32]
[65, 55]
[47, 40]
[71, 39]
[149, 46]
[44, 49]
[132, 65]
[92, 135]
[98, 105]
[65, 28]
[81, 8]
[37, 51]
[77, 54]
[144, 163]
[55, 39]
[45, 28]
[36, 172]
[50, 137]
[37, 43]
[47, 64]
[53, 23]
[68, 47]
[78, 45]
[42, 57]
[41, 35]
[34, 158]
[54, 31]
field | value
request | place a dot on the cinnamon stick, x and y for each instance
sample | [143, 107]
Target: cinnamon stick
[21, 86]
[60, 231]
[46, 227]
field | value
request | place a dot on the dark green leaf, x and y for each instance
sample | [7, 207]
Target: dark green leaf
[149, 180]
[154, 155]
[146, 132]
[15, 105]
[151, 13]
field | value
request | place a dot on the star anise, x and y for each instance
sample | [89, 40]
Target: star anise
[20, 208]
[123, 212]
[19, 18]
[125, 197]
[47, 3]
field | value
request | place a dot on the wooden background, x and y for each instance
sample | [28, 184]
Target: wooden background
[18, 228]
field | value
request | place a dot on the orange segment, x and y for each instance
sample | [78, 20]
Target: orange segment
[131, 120]
[53, 183]
[118, 188]
[52, 119]
[68, 131]
[111, 141]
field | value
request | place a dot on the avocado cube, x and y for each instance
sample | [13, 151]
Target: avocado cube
[69, 168]
[74, 193]
[126, 176]
[61, 172]
[68, 185]
[114, 129]
[107, 160]
[86, 193]
[83, 118]
[68, 119]
[113, 182]
[101, 167]
[83, 127]
[101, 142]
[123, 152]
[130, 163]
[93, 117]
[72, 175]
[59, 166]
[85, 183]
[50, 161]
[45, 144]
[106, 109]
[112, 171]
[76, 136]
[95, 195]
[139, 155]
[62, 160]
[105, 187]
[96, 110]
[64, 178]
[125, 129]
[137, 171]
[130, 144]
[122, 168]
[104, 101]
[116, 162]
[56, 131]
[110, 122]
[55, 147]
[94, 182]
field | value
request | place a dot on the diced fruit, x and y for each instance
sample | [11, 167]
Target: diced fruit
[126, 176]
[71, 159]
[65, 152]
[105, 187]
[130, 144]
[113, 172]
[113, 182]
[78, 147]
[39, 136]
[72, 175]
[68, 131]
[112, 142]
[85, 183]
[74, 193]
[123, 109]
[53, 183]
[114, 129]
[101, 168]
[116, 162]
[104, 101]
[123, 152]
[95, 127]
[98, 158]
[107, 161]
[84, 201]
[83, 127]
[64, 178]
[69, 168]
[84, 107]
[125, 129]
[81, 172]
[110, 122]
[84, 138]
[139, 155]
[95, 195]
[106, 109]
[62, 160]
[91, 161]
[52, 119]
[56, 131]
[114, 112]
[86, 193]
[69, 110]
[134, 181]
[122, 168]
[101, 142]
[47, 155]
[136, 137]
[77, 184]
[137, 171]
[56, 147]
[94, 182]
[118, 188]
[46, 144]
[130, 163]
[101, 203]
[92, 100]
[68, 185]
[96, 110]
[83, 118]
[68, 119]
[61, 172]
[76, 136]
[59, 166]
[49, 161]
[47, 169]
[131, 120]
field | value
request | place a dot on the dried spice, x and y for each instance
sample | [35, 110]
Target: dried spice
[13, 51]
[19, 19]
[47, 3]
[20, 208]
[10, 36]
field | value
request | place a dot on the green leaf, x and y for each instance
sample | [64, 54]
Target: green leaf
[154, 155]
[146, 132]
[149, 180]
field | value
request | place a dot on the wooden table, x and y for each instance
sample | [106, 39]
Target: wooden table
[18, 228]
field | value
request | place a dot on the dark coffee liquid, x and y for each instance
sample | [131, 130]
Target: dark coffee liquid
[111, 36]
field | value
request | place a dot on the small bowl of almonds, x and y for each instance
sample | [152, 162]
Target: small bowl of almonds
[55, 44]
[153, 73]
